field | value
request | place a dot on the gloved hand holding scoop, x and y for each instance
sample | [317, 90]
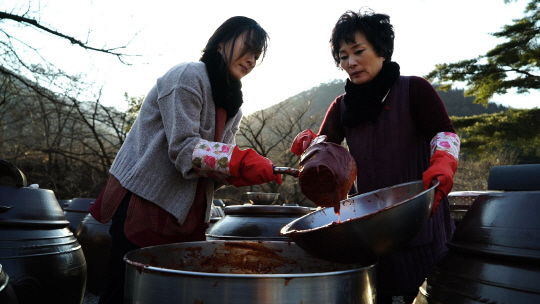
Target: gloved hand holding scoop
[327, 173]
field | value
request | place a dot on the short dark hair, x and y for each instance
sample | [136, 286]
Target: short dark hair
[256, 40]
[376, 27]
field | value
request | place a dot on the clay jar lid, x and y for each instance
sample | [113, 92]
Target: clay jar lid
[23, 206]
[252, 222]
[501, 224]
[27, 206]
[80, 205]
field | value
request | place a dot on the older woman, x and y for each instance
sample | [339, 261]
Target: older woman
[183, 143]
[397, 129]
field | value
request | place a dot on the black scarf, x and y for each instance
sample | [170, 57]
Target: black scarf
[226, 91]
[363, 101]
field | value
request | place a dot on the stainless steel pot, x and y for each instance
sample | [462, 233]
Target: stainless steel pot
[251, 222]
[262, 198]
[242, 272]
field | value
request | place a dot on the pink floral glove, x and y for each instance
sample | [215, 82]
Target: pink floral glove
[211, 159]
[231, 165]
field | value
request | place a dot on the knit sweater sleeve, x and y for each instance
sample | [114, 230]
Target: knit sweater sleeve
[427, 108]
[181, 101]
[331, 125]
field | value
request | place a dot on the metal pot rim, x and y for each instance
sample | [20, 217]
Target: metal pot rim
[243, 238]
[147, 268]
[143, 267]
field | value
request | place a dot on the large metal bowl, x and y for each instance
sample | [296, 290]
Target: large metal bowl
[262, 198]
[370, 225]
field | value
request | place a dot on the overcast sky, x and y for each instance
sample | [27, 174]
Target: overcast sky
[166, 33]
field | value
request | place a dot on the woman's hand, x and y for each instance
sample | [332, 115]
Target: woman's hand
[302, 141]
[442, 167]
[248, 168]
[228, 163]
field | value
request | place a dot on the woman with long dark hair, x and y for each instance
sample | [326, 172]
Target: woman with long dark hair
[180, 148]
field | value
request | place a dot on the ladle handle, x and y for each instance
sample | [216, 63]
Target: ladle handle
[287, 171]
[10, 170]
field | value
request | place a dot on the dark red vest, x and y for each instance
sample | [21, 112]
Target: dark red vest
[392, 151]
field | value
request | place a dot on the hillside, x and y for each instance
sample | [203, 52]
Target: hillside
[456, 104]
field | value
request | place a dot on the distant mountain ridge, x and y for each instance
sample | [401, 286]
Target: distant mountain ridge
[456, 104]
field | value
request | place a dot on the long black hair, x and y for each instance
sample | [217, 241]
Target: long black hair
[256, 39]
[376, 27]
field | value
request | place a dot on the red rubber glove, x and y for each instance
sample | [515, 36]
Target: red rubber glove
[302, 141]
[443, 167]
[250, 168]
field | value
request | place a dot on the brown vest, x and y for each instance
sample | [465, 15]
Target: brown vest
[389, 152]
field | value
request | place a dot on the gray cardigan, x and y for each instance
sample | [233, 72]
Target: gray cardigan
[155, 160]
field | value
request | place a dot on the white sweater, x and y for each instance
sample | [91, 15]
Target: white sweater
[155, 160]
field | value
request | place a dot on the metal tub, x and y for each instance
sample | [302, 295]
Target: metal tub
[242, 272]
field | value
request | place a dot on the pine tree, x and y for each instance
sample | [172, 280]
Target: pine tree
[512, 64]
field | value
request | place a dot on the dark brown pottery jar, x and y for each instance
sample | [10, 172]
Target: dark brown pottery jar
[44, 261]
[7, 295]
[494, 254]
[76, 211]
[461, 201]
[501, 224]
[64, 203]
[96, 243]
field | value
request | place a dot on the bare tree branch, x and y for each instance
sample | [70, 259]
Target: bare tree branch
[270, 132]
[33, 22]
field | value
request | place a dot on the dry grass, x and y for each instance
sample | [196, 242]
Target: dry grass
[473, 174]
